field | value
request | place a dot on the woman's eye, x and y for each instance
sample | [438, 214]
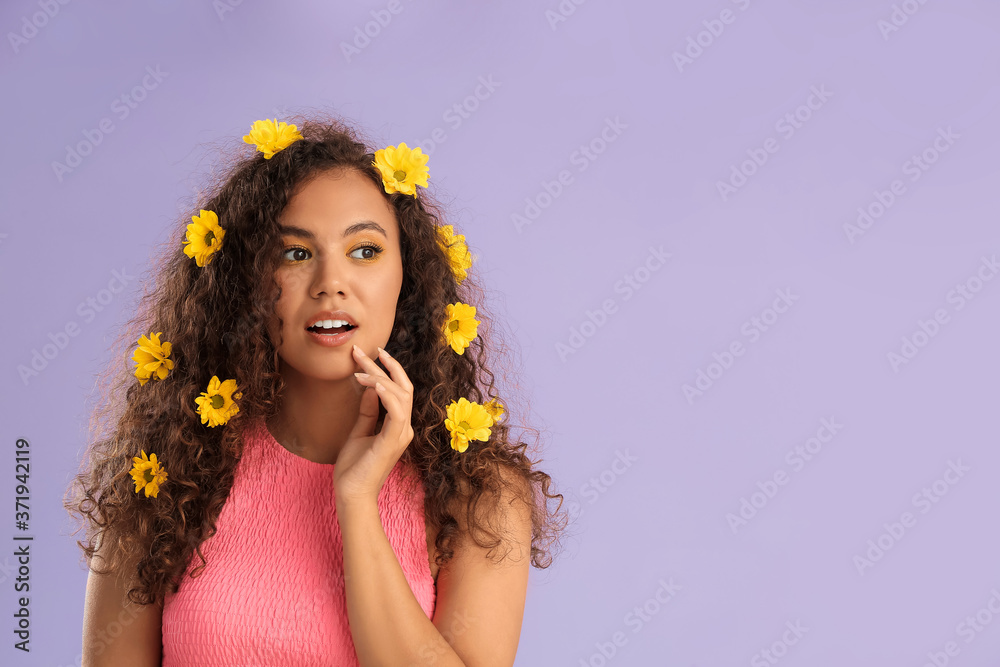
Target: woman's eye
[371, 250]
[295, 258]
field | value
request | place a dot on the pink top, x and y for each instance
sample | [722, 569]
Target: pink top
[272, 592]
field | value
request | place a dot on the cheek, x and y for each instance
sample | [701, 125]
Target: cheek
[387, 292]
[289, 286]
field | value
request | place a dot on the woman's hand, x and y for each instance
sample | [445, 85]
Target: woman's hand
[367, 458]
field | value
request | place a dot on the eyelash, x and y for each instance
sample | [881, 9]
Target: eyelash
[366, 244]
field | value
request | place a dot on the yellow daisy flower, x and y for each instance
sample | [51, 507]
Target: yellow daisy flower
[461, 326]
[147, 473]
[495, 408]
[402, 168]
[204, 237]
[467, 421]
[270, 136]
[217, 404]
[151, 358]
[458, 253]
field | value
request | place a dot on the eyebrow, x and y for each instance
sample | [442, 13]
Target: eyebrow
[353, 229]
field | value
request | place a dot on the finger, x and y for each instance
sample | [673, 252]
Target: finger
[396, 370]
[392, 387]
[367, 363]
[396, 415]
[404, 391]
[367, 415]
[399, 395]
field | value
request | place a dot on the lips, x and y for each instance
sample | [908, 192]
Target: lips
[332, 339]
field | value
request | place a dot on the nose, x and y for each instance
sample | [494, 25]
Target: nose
[328, 278]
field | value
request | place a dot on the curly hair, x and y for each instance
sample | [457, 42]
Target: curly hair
[216, 320]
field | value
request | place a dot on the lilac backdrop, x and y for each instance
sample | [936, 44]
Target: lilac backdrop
[774, 418]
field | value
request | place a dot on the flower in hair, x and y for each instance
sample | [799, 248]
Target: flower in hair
[217, 405]
[147, 474]
[467, 421]
[402, 168]
[270, 136]
[204, 237]
[151, 358]
[453, 245]
[495, 408]
[461, 326]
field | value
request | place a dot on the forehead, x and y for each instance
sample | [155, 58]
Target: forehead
[335, 204]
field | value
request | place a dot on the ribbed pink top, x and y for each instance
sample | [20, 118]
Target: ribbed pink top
[272, 592]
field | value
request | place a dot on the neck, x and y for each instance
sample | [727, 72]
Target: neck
[316, 416]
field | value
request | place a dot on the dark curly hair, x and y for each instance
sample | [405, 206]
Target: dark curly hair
[215, 318]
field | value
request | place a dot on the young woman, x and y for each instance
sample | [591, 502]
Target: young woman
[305, 462]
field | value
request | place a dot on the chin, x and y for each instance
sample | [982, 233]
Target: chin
[325, 369]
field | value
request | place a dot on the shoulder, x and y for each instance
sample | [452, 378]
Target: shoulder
[480, 599]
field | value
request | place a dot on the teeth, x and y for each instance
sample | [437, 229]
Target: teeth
[331, 324]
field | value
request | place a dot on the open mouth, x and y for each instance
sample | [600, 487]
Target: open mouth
[320, 329]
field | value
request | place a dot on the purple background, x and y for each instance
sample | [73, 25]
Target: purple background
[682, 130]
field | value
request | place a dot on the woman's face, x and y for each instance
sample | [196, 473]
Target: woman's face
[341, 252]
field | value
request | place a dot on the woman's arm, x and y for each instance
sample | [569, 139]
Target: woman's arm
[116, 631]
[479, 608]
[388, 625]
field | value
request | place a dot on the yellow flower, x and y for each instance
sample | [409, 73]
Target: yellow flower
[270, 136]
[204, 237]
[402, 168]
[151, 357]
[454, 247]
[147, 473]
[461, 326]
[467, 421]
[495, 408]
[217, 404]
